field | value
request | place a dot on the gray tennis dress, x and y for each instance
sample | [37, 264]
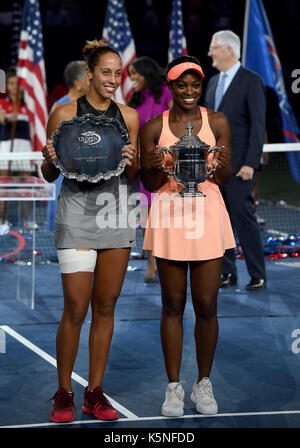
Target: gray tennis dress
[100, 215]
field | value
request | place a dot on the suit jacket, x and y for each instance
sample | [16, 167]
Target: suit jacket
[244, 104]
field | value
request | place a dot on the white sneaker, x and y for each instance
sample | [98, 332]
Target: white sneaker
[173, 404]
[202, 395]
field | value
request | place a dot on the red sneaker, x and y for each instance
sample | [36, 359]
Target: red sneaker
[96, 403]
[62, 408]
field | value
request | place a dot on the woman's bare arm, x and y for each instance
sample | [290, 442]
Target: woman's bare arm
[132, 151]
[64, 112]
[152, 161]
[222, 131]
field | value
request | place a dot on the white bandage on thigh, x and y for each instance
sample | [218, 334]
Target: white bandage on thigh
[76, 260]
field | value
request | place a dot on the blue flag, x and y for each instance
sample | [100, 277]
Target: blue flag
[261, 57]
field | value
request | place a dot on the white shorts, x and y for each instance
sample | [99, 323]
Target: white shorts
[76, 260]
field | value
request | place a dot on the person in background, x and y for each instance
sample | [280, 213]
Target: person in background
[151, 97]
[240, 94]
[194, 243]
[14, 137]
[77, 82]
[13, 112]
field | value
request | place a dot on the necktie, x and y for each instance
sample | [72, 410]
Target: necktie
[220, 90]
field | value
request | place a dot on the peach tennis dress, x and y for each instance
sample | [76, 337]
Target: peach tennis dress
[188, 228]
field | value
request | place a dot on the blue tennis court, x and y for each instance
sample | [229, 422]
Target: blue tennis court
[256, 373]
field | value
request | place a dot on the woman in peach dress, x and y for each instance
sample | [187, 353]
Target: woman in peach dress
[187, 233]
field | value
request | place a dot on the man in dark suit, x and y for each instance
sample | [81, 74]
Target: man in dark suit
[240, 94]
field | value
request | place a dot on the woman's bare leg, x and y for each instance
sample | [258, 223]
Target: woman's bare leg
[173, 280]
[205, 280]
[77, 294]
[109, 276]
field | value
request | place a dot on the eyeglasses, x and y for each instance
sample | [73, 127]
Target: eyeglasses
[214, 47]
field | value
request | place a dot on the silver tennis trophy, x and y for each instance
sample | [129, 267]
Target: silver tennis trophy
[89, 148]
[190, 166]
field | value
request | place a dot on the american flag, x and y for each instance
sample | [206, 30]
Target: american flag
[31, 72]
[117, 34]
[177, 41]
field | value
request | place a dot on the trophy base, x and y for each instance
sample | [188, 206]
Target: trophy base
[190, 189]
[192, 194]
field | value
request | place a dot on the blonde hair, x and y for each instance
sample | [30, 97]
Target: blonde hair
[94, 49]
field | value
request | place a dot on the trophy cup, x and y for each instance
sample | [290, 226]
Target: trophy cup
[89, 148]
[190, 166]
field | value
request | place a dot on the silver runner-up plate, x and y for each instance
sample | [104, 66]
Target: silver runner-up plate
[89, 148]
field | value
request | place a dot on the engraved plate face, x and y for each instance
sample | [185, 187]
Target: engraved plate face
[190, 165]
[89, 148]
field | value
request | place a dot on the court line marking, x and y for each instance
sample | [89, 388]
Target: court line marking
[130, 416]
[21, 240]
[137, 419]
[53, 362]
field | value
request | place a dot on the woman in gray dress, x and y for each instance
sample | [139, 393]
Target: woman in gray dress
[93, 260]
